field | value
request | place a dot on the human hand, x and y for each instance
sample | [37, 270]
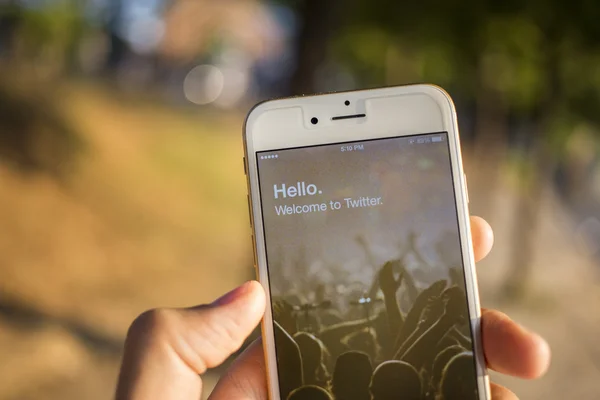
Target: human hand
[168, 350]
[435, 289]
[456, 304]
[432, 312]
[387, 281]
[428, 306]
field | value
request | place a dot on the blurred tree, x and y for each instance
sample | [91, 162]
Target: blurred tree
[10, 20]
[320, 20]
[49, 37]
[118, 48]
[320, 23]
[41, 45]
[568, 27]
[34, 136]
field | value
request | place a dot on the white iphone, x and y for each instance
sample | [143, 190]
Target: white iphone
[359, 213]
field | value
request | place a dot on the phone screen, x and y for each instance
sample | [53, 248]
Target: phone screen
[365, 271]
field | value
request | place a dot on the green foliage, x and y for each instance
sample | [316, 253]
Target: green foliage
[542, 58]
[364, 50]
[513, 63]
[54, 28]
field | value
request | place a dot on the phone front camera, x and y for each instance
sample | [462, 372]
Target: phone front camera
[314, 120]
[347, 102]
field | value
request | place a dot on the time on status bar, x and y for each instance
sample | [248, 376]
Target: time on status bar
[352, 147]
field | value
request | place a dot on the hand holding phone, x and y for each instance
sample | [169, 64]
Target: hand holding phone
[168, 350]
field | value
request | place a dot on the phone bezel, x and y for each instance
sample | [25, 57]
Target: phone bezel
[389, 112]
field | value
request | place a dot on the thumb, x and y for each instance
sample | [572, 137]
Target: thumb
[167, 350]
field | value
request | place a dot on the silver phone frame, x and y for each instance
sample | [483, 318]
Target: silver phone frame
[390, 112]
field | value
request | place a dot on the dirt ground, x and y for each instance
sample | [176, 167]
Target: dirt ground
[155, 215]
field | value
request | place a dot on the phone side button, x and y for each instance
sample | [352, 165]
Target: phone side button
[244, 162]
[466, 187]
[249, 210]
[254, 254]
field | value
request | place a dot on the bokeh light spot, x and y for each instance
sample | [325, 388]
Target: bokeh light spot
[203, 84]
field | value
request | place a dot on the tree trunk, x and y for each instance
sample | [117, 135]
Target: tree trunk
[118, 48]
[527, 218]
[543, 165]
[320, 19]
[10, 23]
[489, 144]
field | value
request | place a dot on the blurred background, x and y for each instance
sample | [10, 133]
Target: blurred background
[121, 177]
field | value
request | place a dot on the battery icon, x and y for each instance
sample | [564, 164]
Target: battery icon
[436, 139]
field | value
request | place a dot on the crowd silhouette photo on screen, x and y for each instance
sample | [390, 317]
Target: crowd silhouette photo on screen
[393, 339]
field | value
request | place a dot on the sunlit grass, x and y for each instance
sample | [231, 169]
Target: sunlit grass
[153, 214]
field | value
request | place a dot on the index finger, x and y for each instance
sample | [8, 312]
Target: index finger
[482, 236]
[246, 379]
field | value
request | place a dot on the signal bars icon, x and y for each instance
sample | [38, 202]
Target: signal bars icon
[269, 156]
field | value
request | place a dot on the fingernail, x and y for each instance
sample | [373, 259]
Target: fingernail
[233, 295]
